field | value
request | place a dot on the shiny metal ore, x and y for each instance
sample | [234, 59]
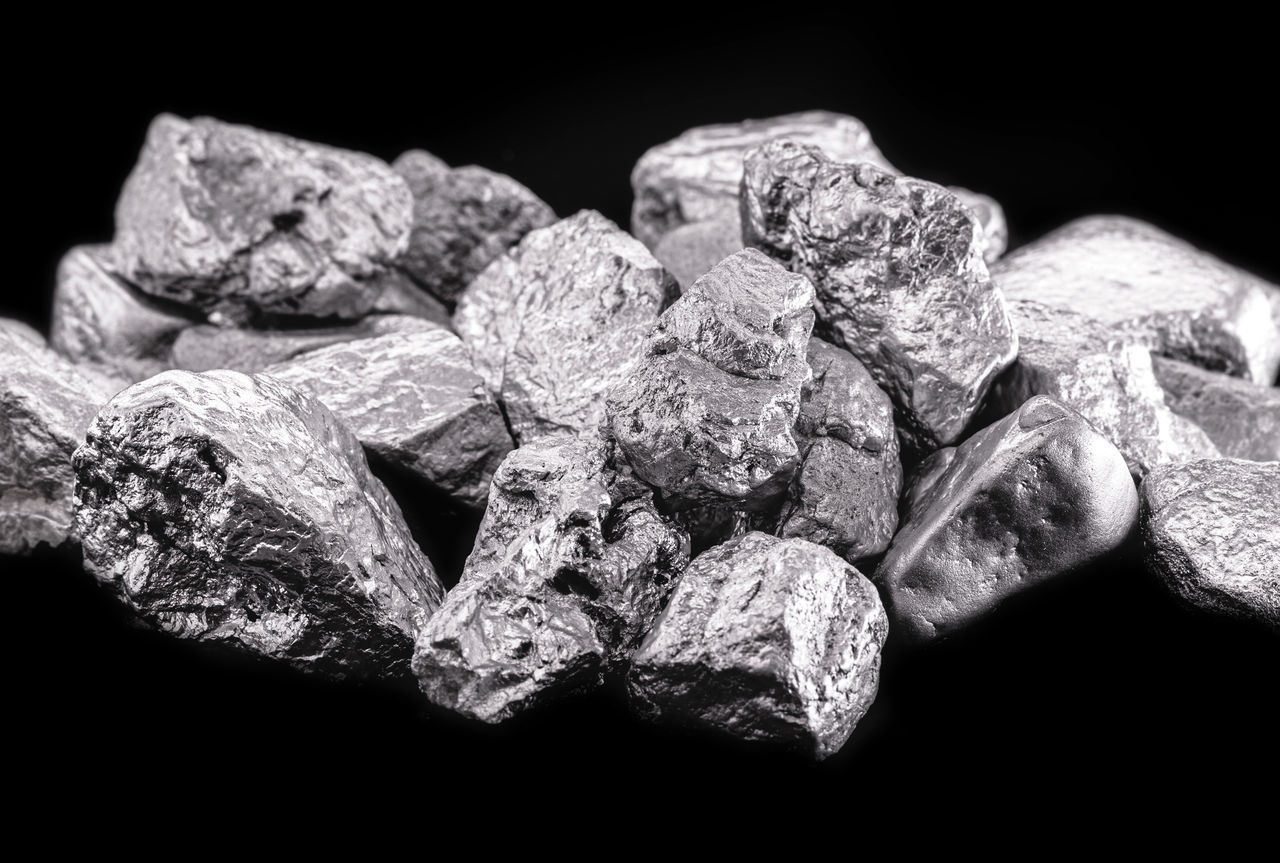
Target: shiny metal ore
[1241, 417]
[236, 511]
[769, 640]
[1034, 496]
[690, 251]
[899, 278]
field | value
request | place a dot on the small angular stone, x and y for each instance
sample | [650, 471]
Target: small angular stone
[769, 640]
[1034, 496]
[236, 511]
[708, 414]
[1211, 535]
[690, 251]
[571, 566]
[900, 281]
[1102, 374]
[415, 402]
[1181, 302]
[554, 325]
[845, 494]
[239, 222]
[463, 220]
[46, 404]
[1241, 417]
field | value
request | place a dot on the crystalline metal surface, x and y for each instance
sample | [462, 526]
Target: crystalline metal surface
[1182, 302]
[845, 494]
[1211, 535]
[46, 404]
[237, 511]
[990, 215]
[237, 222]
[554, 325]
[899, 279]
[690, 251]
[1036, 495]
[570, 568]
[1102, 374]
[1242, 418]
[768, 640]
[463, 219]
[708, 414]
[415, 402]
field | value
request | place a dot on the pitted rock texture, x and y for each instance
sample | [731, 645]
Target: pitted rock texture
[900, 282]
[415, 402]
[554, 325]
[1211, 535]
[1242, 418]
[1032, 497]
[571, 566]
[1181, 302]
[690, 251]
[239, 222]
[769, 640]
[463, 220]
[708, 414]
[237, 511]
[1102, 374]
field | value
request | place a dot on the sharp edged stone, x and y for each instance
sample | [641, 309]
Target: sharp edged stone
[1242, 418]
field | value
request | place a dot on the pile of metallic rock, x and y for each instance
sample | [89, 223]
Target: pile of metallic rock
[687, 442]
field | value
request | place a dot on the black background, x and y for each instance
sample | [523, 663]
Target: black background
[1098, 697]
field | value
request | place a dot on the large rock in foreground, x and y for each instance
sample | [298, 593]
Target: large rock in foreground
[239, 512]
[1241, 417]
[768, 640]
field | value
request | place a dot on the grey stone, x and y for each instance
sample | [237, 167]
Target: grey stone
[769, 640]
[990, 215]
[400, 296]
[690, 251]
[1241, 417]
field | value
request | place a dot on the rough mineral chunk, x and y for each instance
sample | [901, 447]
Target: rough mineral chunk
[899, 277]
[463, 219]
[415, 402]
[239, 512]
[1036, 495]
[1102, 374]
[1183, 303]
[768, 640]
[570, 568]
[99, 319]
[708, 414]
[46, 405]
[1242, 418]
[690, 251]
[990, 215]
[845, 494]
[557, 323]
[1211, 535]
[237, 222]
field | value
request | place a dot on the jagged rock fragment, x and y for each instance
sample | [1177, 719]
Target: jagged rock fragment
[770, 640]
[237, 511]
[239, 222]
[415, 402]
[1242, 418]
[1211, 535]
[571, 566]
[1181, 302]
[463, 219]
[899, 279]
[690, 251]
[1036, 495]
[708, 415]
[557, 323]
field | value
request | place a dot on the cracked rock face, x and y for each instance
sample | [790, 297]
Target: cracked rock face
[237, 511]
[690, 251]
[1102, 374]
[571, 566]
[708, 414]
[845, 494]
[415, 402]
[1032, 497]
[1242, 418]
[46, 404]
[557, 323]
[237, 222]
[769, 640]
[1211, 535]
[463, 220]
[900, 282]
[1180, 301]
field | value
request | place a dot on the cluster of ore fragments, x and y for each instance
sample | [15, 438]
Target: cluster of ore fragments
[688, 442]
